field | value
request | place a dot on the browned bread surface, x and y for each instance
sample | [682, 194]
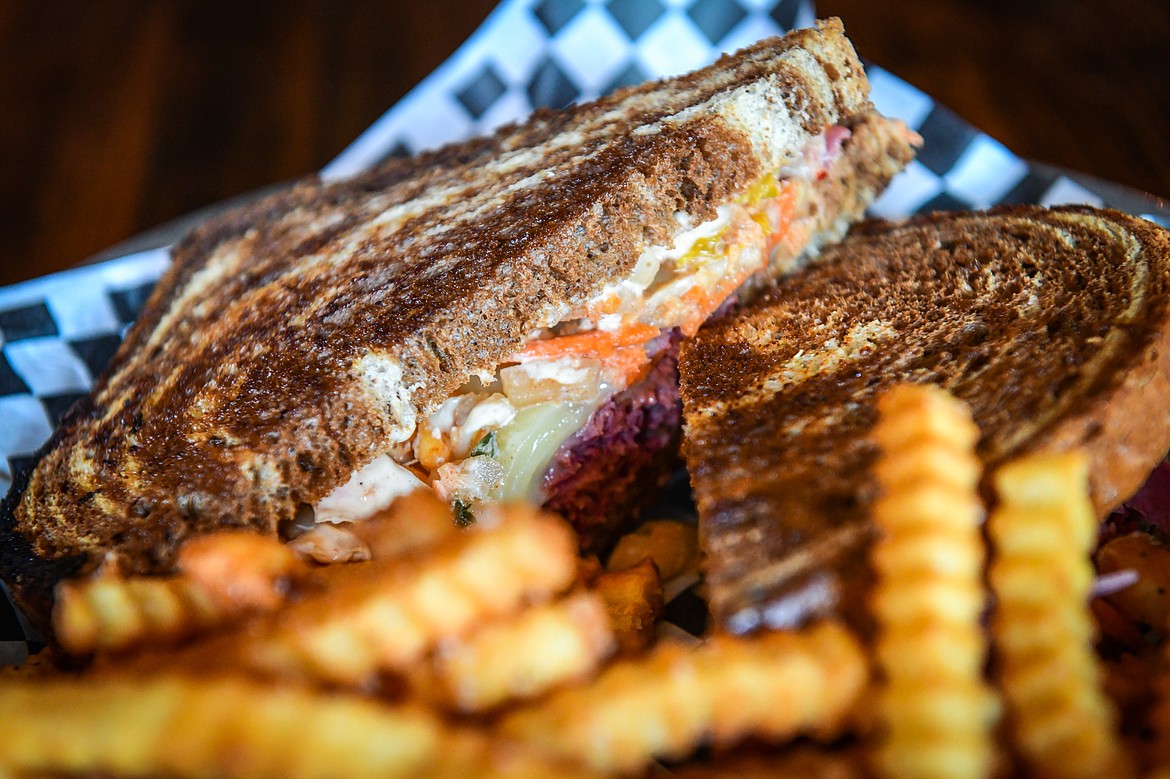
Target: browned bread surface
[1052, 325]
[296, 339]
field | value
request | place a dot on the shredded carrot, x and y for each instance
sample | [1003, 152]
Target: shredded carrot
[621, 352]
[794, 241]
[786, 209]
[703, 302]
[599, 344]
[629, 362]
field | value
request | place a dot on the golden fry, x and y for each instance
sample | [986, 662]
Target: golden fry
[519, 657]
[935, 711]
[414, 524]
[112, 614]
[588, 569]
[633, 598]
[473, 754]
[672, 545]
[663, 705]
[382, 616]
[240, 569]
[201, 727]
[223, 576]
[1043, 529]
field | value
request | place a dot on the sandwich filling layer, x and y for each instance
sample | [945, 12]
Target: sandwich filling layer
[523, 432]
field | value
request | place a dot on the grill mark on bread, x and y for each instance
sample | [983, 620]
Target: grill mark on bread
[1052, 325]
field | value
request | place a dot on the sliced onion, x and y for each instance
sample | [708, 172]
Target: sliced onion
[528, 443]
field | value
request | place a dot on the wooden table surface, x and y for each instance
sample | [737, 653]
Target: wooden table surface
[118, 116]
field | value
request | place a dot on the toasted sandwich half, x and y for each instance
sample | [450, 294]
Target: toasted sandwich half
[496, 320]
[1052, 325]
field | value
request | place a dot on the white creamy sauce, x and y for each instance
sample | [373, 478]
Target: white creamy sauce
[491, 413]
[562, 370]
[462, 420]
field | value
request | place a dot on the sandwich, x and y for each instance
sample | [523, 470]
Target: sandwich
[1053, 326]
[495, 320]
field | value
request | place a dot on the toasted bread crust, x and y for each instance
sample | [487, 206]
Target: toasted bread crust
[293, 341]
[1052, 325]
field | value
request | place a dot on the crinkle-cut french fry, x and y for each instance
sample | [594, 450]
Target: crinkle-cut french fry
[413, 524]
[519, 657]
[633, 598]
[179, 726]
[110, 614]
[672, 544]
[667, 702]
[382, 616]
[935, 711]
[588, 569]
[241, 569]
[1043, 529]
[223, 576]
[468, 753]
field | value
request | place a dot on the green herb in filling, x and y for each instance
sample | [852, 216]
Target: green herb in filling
[463, 515]
[487, 446]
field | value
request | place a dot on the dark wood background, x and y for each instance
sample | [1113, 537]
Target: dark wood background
[117, 116]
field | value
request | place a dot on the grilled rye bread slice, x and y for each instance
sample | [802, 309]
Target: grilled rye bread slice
[1052, 325]
[294, 341]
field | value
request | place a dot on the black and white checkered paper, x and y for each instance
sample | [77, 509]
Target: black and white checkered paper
[56, 333]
